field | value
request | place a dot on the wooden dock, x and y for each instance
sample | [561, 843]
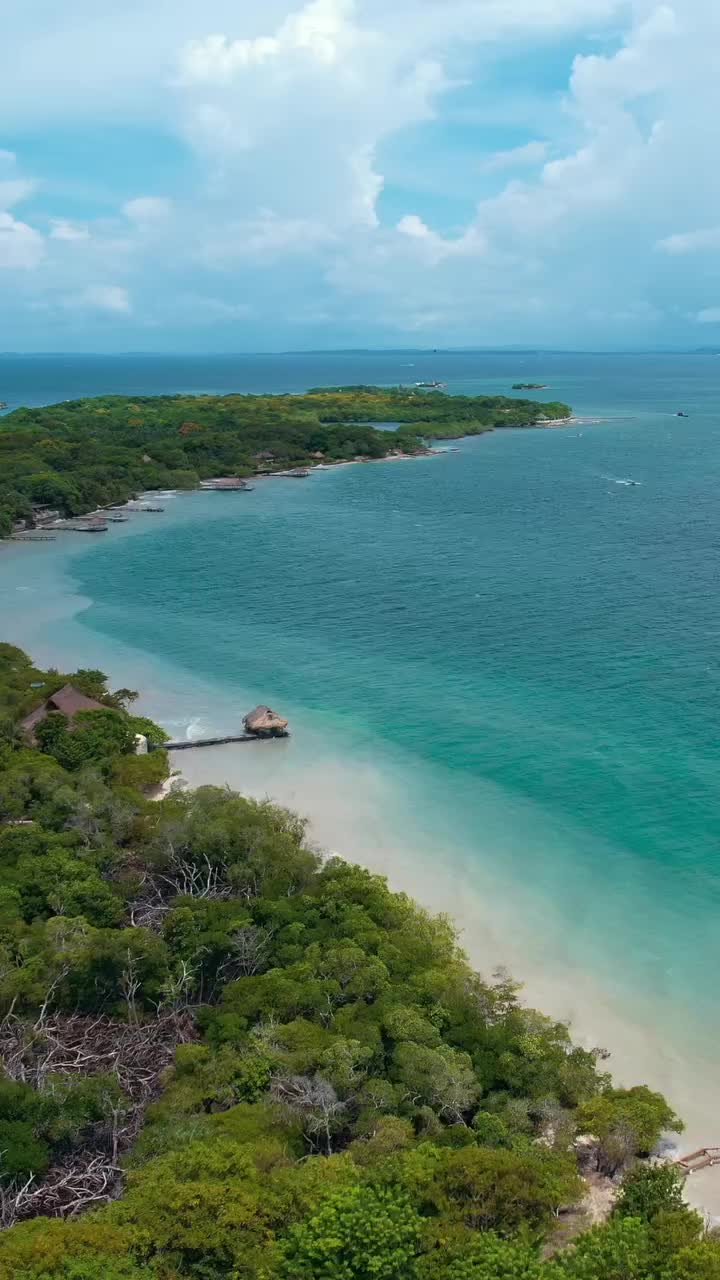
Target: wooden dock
[259, 725]
[33, 537]
[185, 743]
[705, 1158]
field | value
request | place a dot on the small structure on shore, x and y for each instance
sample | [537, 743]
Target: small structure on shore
[68, 700]
[263, 722]
[225, 484]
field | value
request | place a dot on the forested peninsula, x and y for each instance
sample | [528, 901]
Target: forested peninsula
[226, 1057]
[79, 455]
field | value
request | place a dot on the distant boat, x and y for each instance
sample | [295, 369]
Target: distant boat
[431, 385]
[681, 414]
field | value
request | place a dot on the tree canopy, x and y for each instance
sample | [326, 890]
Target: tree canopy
[75, 456]
[227, 1057]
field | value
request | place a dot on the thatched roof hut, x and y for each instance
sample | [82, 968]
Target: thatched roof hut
[265, 723]
[69, 700]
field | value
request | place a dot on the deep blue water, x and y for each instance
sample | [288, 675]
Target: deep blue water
[634, 383]
[535, 638]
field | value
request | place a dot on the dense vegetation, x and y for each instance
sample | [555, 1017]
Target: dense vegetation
[82, 454]
[225, 1058]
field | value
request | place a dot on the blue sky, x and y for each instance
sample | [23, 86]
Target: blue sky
[177, 176]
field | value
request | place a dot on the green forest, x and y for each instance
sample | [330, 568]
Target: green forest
[83, 454]
[227, 1057]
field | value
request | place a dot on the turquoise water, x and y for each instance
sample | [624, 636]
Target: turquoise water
[521, 649]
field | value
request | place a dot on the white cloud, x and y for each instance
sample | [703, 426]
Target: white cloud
[63, 229]
[101, 60]
[147, 210]
[414, 227]
[262, 239]
[573, 250]
[471, 243]
[13, 187]
[102, 297]
[691, 241]
[291, 118]
[323, 31]
[607, 226]
[21, 246]
[14, 190]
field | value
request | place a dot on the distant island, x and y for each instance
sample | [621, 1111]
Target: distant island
[72, 458]
[529, 386]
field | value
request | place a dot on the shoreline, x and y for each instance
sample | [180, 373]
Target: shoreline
[47, 531]
[350, 815]
[571, 993]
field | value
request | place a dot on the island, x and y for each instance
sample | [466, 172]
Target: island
[70, 459]
[227, 1054]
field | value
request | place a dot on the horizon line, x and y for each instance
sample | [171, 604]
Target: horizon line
[379, 351]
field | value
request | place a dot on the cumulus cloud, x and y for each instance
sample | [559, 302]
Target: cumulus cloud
[298, 119]
[323, 31]
[436, 247]
[573, 249]
[293, 117]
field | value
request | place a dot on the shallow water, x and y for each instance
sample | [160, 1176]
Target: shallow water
[501, 668]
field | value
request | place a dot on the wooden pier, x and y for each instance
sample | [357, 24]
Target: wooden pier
[185, 743]
[33, 537]
[260, 725]
[705, 1158]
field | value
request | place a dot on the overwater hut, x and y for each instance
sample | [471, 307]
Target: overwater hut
[265, 723]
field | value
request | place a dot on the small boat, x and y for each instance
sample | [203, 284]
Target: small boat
[681, 414]
[433, 386]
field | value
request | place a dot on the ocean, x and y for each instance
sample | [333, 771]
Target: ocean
[500, 666]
